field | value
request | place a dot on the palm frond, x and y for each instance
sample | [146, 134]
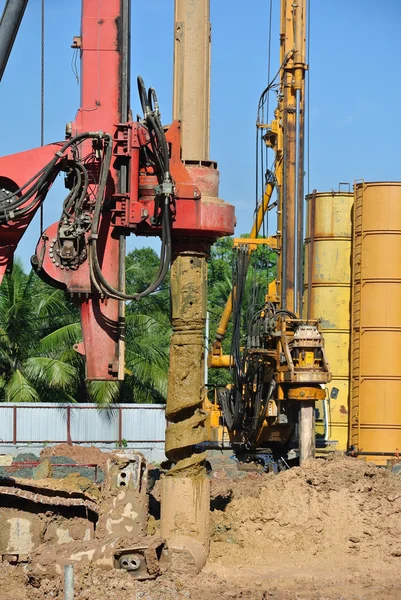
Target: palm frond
[18, 389]
[65, 336]
[53, 373]
[103, 393]
[53, 304]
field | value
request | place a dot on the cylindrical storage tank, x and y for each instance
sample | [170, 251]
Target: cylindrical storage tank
[376, 321]
[327, 296]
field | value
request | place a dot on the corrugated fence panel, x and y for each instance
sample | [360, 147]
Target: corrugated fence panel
[143, 423]
[41, 423]
[6, 424]
[94, 425]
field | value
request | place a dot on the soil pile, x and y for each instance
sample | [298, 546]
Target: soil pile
[79, 454]
[330, 530]
[330, 508]
[74, 482]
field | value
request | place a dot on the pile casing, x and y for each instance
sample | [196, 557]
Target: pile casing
[327, 296]
[376, 321]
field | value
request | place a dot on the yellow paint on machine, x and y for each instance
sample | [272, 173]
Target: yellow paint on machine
[327, 296]
[376, 321]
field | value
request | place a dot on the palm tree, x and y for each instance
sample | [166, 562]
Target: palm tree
[38, 329]
[32, 369]
[147, 359]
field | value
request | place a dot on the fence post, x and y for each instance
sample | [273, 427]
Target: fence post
[69, 442]
[14, 424]
[120, 426]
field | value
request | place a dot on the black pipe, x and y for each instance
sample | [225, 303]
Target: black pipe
[356, 453]
[9, 25]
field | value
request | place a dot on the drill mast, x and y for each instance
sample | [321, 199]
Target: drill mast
[281, 364]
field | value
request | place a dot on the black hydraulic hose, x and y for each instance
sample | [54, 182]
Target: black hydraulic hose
[104, 171]
[163, 269]
[161, 152]
[150, 109]
[266, 406]
[9, 25]
[40, 195]
[161, 139]
[143, 96]
[69, 200]
[9, 207]
[166, 246]
[230, 401]
[81, 199]
[241, 272]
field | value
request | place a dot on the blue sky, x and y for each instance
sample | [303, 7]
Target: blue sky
[355, 128]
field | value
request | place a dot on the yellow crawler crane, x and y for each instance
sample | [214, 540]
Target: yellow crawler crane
[280, 367]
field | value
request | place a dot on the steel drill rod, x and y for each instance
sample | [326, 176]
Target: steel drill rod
[69, 582]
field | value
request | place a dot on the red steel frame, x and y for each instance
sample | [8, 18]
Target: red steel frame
[198, 215]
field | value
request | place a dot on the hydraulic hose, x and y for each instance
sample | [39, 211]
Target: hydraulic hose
[160, 149]
[42, 178]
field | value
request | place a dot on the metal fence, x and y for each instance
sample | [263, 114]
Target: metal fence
[41, 423]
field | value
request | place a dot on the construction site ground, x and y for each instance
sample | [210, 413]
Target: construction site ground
[330, 530]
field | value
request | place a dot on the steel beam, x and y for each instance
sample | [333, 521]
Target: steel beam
[9, 25]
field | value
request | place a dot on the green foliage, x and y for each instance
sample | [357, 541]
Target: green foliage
[38, 328]
[148, 331]
[33, 369]
[261, 272]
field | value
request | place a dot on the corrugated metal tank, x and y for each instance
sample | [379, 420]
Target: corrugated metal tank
[327, 295]
[376, 320]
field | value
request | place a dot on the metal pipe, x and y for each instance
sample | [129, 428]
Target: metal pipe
[393, 454]
[69, 582]
[297, 216]
[191, 91]
[306, 431]
[326, 408]
[301, 210]
[125, 53]
[284, 237]
[257, 224]
[206, 347]
[9, 25]
[311, 257]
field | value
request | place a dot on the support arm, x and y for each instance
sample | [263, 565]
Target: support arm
[9, 25]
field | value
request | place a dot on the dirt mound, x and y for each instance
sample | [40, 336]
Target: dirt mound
[13, 583]
[330, 530]
[74, 482]
[332, 507]
[79, 454]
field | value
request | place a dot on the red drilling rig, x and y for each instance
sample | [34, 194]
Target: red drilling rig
[122, 177]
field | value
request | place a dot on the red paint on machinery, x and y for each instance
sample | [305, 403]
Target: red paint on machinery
[63, 254]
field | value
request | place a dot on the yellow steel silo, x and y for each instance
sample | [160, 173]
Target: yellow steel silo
[327, 295]
[376, 321]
